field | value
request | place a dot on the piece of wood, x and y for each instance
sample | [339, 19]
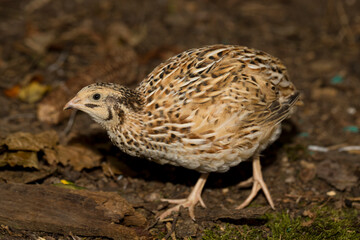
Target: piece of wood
[53, 209]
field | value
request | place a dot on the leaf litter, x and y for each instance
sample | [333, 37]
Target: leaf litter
[38, 154]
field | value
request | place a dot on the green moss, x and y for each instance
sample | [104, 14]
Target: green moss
[325, 223]
[229, 231]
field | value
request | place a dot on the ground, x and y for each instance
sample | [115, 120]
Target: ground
[313, 178]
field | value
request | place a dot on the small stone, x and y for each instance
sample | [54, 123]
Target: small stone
[331, 193]
[290, 179]
[225, 190]
[152, 197]
[351, 110]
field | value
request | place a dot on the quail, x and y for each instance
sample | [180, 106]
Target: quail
[206, 109]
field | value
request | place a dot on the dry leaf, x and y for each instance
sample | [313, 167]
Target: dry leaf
[33, 92]
[16, 176]
[79, 157]
[19, 158]
[39, 41]
[307, 223]
[12, 92]
[21, 149]
[30, 142]
[21, 141]
[311, 215]
[308, 213]
[48, 139]
[50, 156]
[50, 109]
[107, 169]
[113, 166]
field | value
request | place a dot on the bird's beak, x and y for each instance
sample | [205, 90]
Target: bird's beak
[73, 103]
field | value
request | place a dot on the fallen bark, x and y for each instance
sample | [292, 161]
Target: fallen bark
[58, 210]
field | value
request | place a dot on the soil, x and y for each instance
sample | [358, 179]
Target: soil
[51, 42]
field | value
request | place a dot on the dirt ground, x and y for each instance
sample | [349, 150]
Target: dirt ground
[50, 45]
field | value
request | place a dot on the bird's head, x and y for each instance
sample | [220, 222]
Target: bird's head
[107, 103]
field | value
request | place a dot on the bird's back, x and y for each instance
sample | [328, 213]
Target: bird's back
[210, 108]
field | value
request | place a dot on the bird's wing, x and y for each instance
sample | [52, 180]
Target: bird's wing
[215, 95]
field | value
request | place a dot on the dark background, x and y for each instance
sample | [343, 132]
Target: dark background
[50, 42]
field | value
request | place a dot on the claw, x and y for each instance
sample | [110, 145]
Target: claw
[189, 202]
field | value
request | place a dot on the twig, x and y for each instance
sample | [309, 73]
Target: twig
[344, 21]
[58, 63]
[318, 148]
[349, 148]
[173, 227]
[151, 225]
[70, 123]
[339, 147]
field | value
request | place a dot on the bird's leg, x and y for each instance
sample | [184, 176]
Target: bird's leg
[189, 202]
[258, 183]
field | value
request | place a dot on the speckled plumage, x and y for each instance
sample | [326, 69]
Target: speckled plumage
[205, 109]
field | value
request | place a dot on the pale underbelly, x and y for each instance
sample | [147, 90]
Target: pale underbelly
[192, 158]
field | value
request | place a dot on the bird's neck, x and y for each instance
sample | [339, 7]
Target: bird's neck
[127, 126]
[128, 136]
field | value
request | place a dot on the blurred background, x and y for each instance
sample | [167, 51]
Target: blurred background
[50, 49]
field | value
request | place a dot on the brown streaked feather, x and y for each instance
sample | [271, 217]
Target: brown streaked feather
[279, 112]
[217, 93]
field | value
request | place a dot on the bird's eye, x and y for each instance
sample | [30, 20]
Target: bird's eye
[96, 96]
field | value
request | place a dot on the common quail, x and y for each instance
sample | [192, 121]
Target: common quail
[206, 109]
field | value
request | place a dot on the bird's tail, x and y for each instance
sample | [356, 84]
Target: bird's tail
[281, 110]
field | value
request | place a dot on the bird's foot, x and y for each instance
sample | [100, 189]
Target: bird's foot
[189, 202]
[247, 183]
[258, 183]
